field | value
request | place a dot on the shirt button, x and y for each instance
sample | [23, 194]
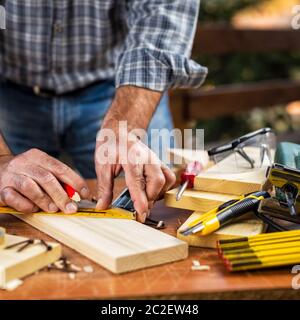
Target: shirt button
[58, 28]
[36, 90]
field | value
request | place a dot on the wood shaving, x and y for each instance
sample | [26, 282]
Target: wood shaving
[201, 268]
[13, 284]
[88, 269]
[198, 267]
[72, 275]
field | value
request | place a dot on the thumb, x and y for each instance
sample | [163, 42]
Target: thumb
[105, 185]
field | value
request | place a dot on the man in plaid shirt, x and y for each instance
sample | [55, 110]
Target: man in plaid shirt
[70, 71]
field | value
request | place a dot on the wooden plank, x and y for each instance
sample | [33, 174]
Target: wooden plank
[185, 156]
[227, 99]
[196, 200]
[16, 265]
[222, 177]
[118, 245]
[220, 39]
[233, 184]
[243, 228]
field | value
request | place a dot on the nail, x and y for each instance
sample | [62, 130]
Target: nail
[71, 208]
[85, 192]
[151, 204]
[144, 216]
[99, 204]
[52, 207]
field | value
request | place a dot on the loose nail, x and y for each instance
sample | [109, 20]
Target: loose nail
[52, 207]
[71, 208]
[85, 192]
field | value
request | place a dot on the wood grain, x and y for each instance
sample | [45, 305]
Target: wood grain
[16, 265]
[224, 178]
[118, 245]
[196, 200]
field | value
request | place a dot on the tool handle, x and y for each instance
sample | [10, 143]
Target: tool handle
[194, 167]
[237, 210]
[192, 170]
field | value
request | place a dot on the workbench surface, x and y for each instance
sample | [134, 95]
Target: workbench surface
[174, 280]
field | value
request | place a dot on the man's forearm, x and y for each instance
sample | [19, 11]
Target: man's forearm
[134, 105]
[4, 149]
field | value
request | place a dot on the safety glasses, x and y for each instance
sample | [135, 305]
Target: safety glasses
[253, 150]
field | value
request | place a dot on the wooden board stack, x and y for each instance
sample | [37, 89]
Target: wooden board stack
[116, 244]
[214, 187]
[196, 200]
[245, 227]
[15, 264]
[222, 178]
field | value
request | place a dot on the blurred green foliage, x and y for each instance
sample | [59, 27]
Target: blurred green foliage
[244, 67]
[222, 10]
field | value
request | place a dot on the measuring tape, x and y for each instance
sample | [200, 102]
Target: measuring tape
[113, 213]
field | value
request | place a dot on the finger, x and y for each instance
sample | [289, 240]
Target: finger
[30, 189]
[105, 185]
[136, 183]
[63, 173]
[170, 180]
[155, 181]
[48, 182]
[13, 199]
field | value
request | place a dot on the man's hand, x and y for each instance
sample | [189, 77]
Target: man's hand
[147, 178]
[31, 181]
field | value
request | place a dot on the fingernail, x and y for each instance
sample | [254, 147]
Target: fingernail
[99, 204]
[151, 204]
[85, 192]
[144, 217]
[52, 207]
[71, 208]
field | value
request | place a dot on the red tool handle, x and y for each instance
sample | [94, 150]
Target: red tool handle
[192, 170]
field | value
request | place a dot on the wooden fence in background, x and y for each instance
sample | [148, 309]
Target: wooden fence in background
[188, 106]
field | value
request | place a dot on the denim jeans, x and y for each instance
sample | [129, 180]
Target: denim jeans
[65, 124]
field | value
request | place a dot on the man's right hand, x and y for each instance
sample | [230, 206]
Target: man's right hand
[31, 181]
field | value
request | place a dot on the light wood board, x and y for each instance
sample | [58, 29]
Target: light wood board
[241, 228]
[196, 200]
[224, 178]
[16, 265]
[185, 156]
[118, 245]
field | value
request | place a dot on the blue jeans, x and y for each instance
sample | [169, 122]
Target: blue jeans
[62, 125]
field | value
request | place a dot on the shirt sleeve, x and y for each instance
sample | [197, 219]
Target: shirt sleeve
[158, 45]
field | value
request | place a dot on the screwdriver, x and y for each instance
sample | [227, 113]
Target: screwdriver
[220, 216]
[188, 177]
